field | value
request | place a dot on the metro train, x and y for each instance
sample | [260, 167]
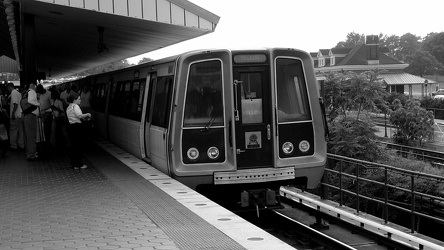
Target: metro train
[242, 121]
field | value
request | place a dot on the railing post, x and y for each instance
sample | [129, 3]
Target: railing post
[341, 196]
[412, 216]
[357, 188]
[385, 195]
[324, 189]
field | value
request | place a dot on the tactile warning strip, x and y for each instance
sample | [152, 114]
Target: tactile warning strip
[184, 227]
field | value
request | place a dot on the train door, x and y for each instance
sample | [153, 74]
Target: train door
[160, 90]
[253, 117]
[149, 103]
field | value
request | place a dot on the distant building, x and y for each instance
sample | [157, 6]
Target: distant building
[370, 56]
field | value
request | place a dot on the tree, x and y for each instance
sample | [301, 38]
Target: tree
[107, 67]
[354, 138]
[409, 44]
[353, 91]
[393, 44]
[349, 91]
[434, 43]
[423, 63]
[415, 124]
[352, 40]
[144, 60]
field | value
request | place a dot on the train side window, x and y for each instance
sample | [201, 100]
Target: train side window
[113, 99]
[136, 100]
[125, 100]
[204, 103]
[292, 94]
[162, 99]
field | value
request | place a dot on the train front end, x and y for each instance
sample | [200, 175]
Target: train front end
[248, 122]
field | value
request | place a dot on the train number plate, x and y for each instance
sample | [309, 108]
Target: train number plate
[253, 175]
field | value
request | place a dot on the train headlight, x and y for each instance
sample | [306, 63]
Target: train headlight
[304, 146]
[288, 148]
[213, 153]
[193, 153]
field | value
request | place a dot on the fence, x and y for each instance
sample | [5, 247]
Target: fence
[352, 178]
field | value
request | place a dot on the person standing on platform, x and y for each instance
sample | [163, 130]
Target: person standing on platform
[4, 124]
[75, 130]
[59, 137]
[46, 113]
[16, 135]
[30, 123]
[64, 96]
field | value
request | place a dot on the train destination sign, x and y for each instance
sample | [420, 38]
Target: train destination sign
[250, 58]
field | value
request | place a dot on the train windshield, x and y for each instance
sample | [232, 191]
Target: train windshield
[292, 98]
[203, 105]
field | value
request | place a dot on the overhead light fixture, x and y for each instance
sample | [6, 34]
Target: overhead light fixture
[101, 46]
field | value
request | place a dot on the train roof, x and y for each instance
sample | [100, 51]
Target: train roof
[192, 52]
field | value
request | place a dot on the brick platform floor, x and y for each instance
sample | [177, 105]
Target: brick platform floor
[48, 205]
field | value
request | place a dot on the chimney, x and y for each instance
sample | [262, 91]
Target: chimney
[372, 49]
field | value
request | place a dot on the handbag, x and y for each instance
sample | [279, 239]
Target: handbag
[27, 107]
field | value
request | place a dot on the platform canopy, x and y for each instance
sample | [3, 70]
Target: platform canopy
[69, 34]
[405, 79]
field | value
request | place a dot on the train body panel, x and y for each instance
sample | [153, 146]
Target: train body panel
[218, 118]
[128, 140]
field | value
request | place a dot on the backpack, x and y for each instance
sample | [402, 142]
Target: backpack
[27, 107]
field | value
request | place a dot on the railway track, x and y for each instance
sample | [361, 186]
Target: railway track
[294, 232]
[432, 156]
[298, 226]
[303, 227]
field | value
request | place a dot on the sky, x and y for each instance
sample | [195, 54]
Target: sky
[308, 25]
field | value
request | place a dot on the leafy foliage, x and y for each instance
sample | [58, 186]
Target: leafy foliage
[107, 67]
[353, 91]
[415, 124]
[434, 43]
[353, 138]
[423, 63]
[401, 97]
[144, 60]
[352, 40]
[409, 44]
[432, 103]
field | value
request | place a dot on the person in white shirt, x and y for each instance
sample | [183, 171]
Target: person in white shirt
[16, 135]
[76, 130]
[30, 124]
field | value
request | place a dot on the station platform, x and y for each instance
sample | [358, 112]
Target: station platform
[118, 202]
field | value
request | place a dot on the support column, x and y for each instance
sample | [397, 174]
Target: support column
[28, 50]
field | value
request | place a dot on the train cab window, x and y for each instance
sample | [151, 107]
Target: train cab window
[162, 99]
[251, 97]
[292, 97]
[203, 104]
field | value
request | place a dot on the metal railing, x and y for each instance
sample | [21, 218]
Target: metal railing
[347, 176]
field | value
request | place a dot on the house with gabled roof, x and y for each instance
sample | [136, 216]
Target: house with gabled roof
[370, 56]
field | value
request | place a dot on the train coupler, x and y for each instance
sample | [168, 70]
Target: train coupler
[259, 197]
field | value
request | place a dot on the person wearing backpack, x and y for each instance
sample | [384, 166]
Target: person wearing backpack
[30, 122]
